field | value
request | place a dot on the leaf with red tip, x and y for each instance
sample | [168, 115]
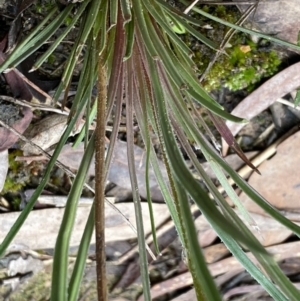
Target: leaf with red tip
[228, 137]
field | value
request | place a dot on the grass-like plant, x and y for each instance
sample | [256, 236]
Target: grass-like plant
[133, 54]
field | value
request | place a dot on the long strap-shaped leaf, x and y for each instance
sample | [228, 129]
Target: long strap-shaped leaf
[267, 262]
[61, 252]
[229, 241]
[184, 78]
[134, 184]
[184, 176]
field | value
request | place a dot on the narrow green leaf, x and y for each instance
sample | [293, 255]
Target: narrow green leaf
[141, 97]
[126, 11]
[78, 270]
[90, 21]
[17, 52]
[138, 10]
[24, 214]
[185, 78]
[36, 42]
[70, 63]
[102, 19]
[204, 284]
[250, 267]
[53, 46]
[134, 184]
[85, 85]
[196, 33]
[297, 98]
[162, 20]
[246, 30]
[91, 117]
[113, 13]
[61, 251]
[129, 29]
[228, 240]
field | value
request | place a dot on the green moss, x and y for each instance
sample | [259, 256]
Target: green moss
[11, 186]
[43, 7]
[35, 288]
[17, 176]
[241, 70]
[68, 20]
[244, 63]
[51, 59]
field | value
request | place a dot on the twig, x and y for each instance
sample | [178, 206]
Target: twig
[287, 103]
[264, 134]
[34, 86]
[188, 9]
[33, 106]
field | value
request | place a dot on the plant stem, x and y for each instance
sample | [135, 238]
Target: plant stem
[100, 179]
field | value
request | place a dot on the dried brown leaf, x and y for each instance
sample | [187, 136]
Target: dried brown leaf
[279, 85]
[16, 83]
[21, 86]
[7, 137]
[46, 133]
